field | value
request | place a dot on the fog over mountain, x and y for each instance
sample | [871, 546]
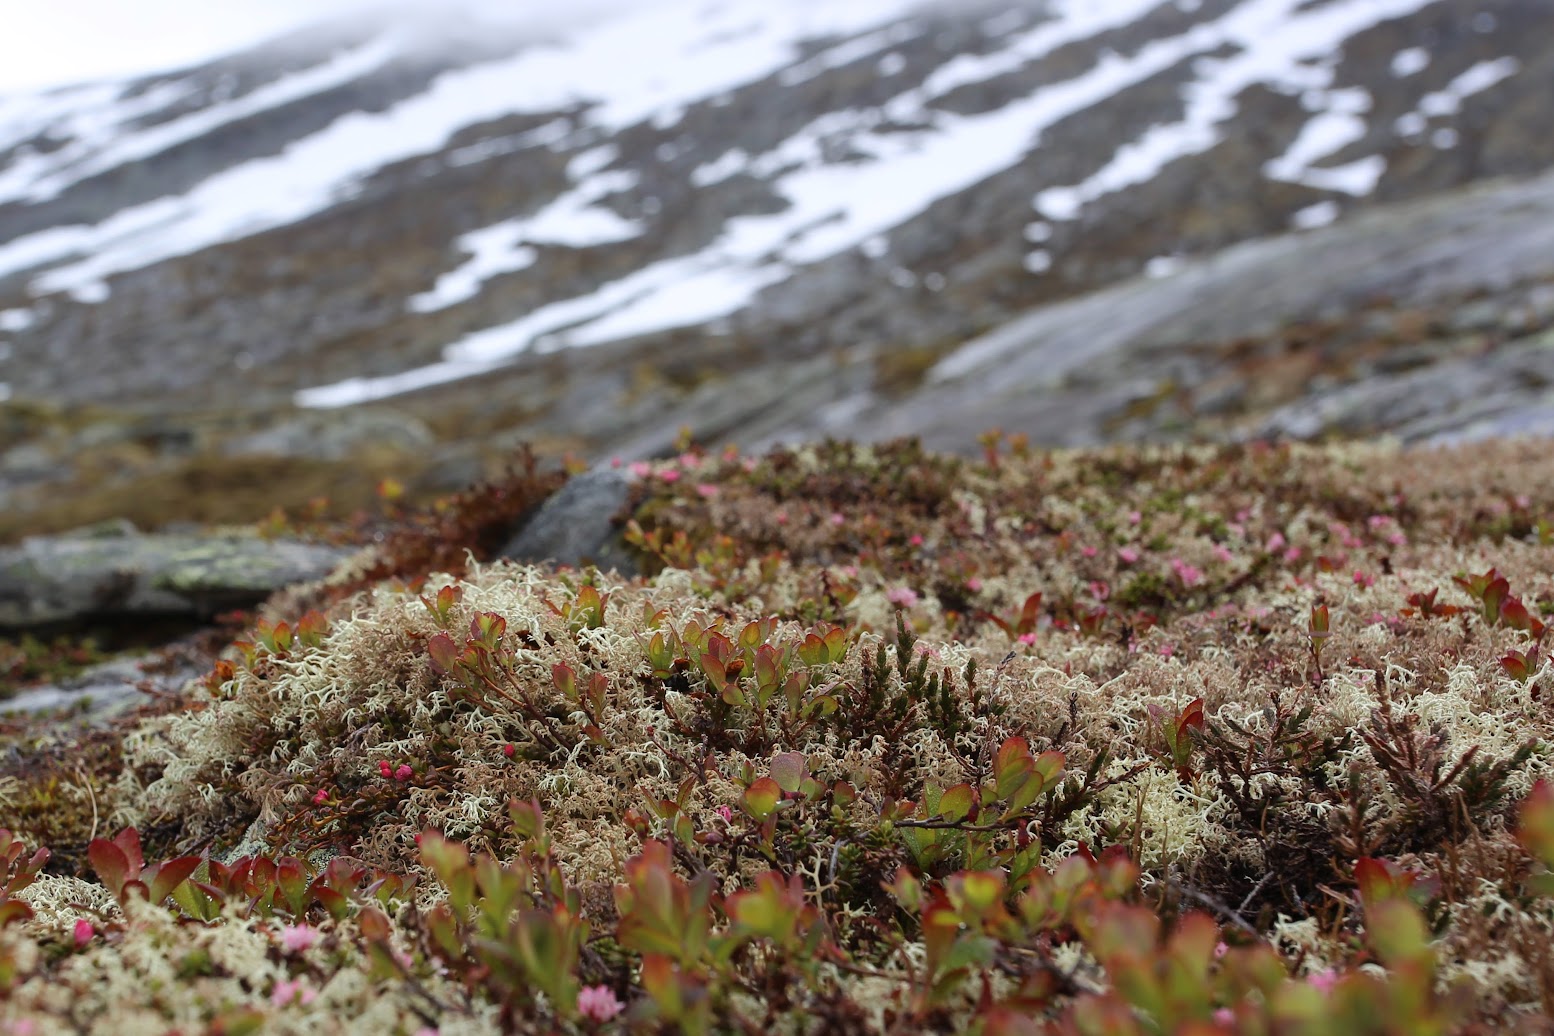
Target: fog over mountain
[783, 218]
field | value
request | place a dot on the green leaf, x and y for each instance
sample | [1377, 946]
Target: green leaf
[789, 770]
[762, 797]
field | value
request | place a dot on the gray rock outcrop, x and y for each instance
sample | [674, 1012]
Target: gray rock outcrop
[113, 571]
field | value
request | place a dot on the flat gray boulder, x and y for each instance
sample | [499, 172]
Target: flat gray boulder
[575, 527]
[113, 571]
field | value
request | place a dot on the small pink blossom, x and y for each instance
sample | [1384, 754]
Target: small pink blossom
[782, 517]
[640, 468]
[1127, 555]
[404, 773]
[426, 1030]
[1100, 589]
[689, 461]
[1378, 521]
[1220, 949]
[598, 1003]
[849, 571]
[83, 933]
[1322, 981]
[1276, 542]
[23, 1027]
[726, 813]
[1224, 1016]
[974, 584]
[1089, 552]
[916, 540]
[1223, 553]
[1134, 517]
[615, 462]
[1167, 650]
[670, 475]
[291, 990]
[902, 596]
[296, 938]
[321, 797]
[706, 490]
[1397, 539]
[1027, 638]
[1189, 575]
[1293, 554]
[837, 518]
[1364, 580]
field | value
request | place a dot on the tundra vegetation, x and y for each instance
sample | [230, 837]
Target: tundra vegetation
[1244, 739]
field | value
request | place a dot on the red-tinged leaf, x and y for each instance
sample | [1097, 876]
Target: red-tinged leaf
[565, 679]
[487, 627]
[14, 910]
[789, 770]
[374, 924]
[293, 881]
[907, 890]
[338, 906]
[836, 644]
[445, 653]
[1516, 666]
[312, 627]
[1191, 717]
[974, 893]
[165, 877]
[957, 802]
[761, 798]
[1012, 766]
[1029, 613]
[1535, 827]
[1495, 594]
[1379, 880]
[129, 841]
[110, 863]
[1397, 932]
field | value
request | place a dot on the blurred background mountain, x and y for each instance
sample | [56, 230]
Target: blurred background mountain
[399, 243]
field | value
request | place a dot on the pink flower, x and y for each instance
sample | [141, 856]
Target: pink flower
[1089, 552]
[426, 1030]
[688, 461]
[1127, 555]
[901, 596]
[1223, 553]
[296, 938]
[1276, 542]
[1293, 554]
[615, 462]
[1100, 589]
[1397, 539]
[598, 1003]
[1224, 1016]
[639, 468]
[321, 798]
[706, 489]
[1364, 580]
[1134, 517]
[837, 518]
[1189, 575]
[1322, 981]
[974, 584]
[23, 1027]
[83, 933]
[1220, 949]
[291, 990]
[1027, 638]
[1378, 521]
[726, 813]
[671, 475]
[404, 773]
[916, 540]
[1167, 650]
[782, 517]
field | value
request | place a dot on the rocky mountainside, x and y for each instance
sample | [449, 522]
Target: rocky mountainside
[771, 219]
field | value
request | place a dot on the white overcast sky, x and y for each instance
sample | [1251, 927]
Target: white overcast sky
[52, 42]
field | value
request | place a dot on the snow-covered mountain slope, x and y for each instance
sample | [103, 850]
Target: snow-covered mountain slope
[367, 210]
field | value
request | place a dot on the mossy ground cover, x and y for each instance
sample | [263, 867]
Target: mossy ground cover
[1205, 740]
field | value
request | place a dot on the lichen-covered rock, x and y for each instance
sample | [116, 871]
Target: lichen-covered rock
[115, 571]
